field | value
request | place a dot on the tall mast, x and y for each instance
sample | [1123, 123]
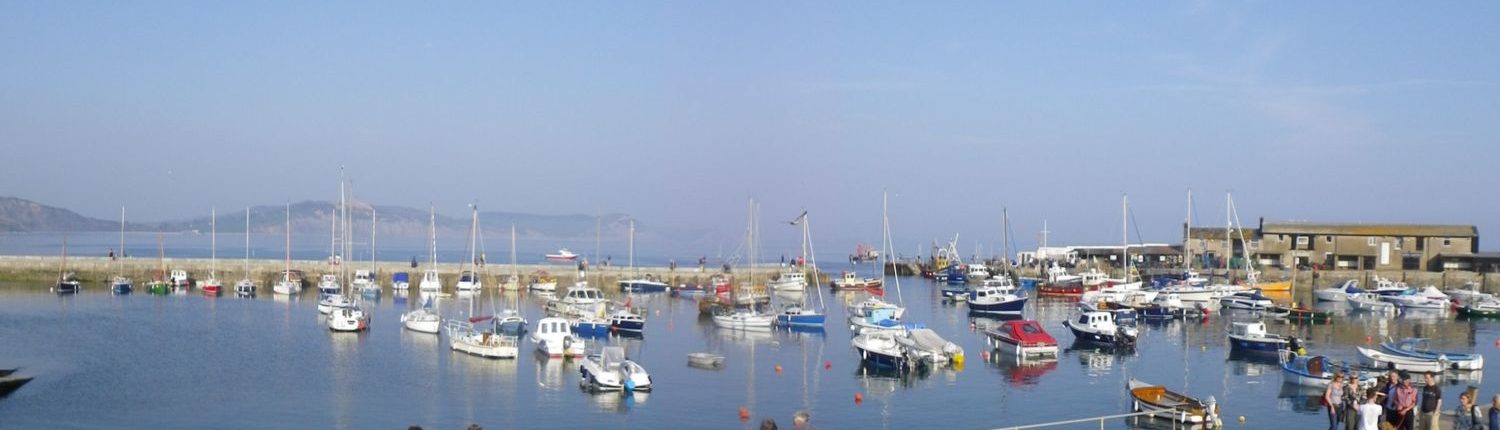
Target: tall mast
[287, 275]
[246, 269]
[886, 243]
[432, 231]
[213, 243]
[812, 256]
[635, 273]
[1187, 234]
[515, 276]
[373, 276]
[1125, 236]
[1228, 236]
[120, 265]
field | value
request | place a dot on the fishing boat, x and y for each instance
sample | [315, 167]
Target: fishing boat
[1249, 301]
[997, 296]
[67, 283]
[956, 274]
[544, 282]
[287, 285]
[1314, 370]
[1382, 360]
[400, 285]
[881, 350]
[1371, 302]
[579, 301]
[624, 321]
[864, 253]
[849, 280]
[1100, 328]
[1251, 337]
[1173, 405]
[180, 281]
[431, 283]
[589, 326]
[553, 337]
[463, 336]
[1417, 348]
[1480, 309]
[562, 256]
[1122, 313]
[1022, 338]
[1339, 293]
[120, 284]
[609, 370]
[789, 281]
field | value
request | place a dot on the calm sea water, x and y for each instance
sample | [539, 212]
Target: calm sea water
[194, 362]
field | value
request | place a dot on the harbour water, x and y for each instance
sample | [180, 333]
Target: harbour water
[188, 361]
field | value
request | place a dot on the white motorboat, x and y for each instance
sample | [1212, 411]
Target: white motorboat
[468, 282]
[744, 319]
[329, 302]
[881, 349]
[1427, 298]
[562, 255]
[789, 281]
[541, 281]
[1022, 338]
[328, 284]
[871, 305]
[1370, 302]
[348, 319]
[1250, 301]
[1338, 293]
[431, 283]
[422, 320]
[1100, 327]
[977, 272]
[611, 371]
[553, 337]
[1386, 287]
[926, 346]
[363, 278]
[464, 337]
[1381, 359]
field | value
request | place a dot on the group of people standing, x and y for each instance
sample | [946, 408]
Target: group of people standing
[1393, 403]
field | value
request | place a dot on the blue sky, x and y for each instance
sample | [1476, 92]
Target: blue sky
[677, 112]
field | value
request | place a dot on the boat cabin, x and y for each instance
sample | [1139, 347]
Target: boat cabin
[882, 314]
[1027, 333]
[584, 295]
[1096, 319]
[549, 326]
[430, 276]
[401, 278]
[468, 276]
[988, 290]
[1248, 329]
[363, 276]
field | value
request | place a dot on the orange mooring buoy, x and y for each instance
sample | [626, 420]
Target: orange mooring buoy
[744, 413]
[859, 398]
[778, 368]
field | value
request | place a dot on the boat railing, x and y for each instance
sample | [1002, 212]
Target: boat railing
[1165, 414]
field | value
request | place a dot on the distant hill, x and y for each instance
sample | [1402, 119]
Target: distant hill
[21, 215]
[314, 217]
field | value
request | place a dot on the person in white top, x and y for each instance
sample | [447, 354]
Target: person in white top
[1369, 412]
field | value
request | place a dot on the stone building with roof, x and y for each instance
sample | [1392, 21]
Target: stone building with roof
[1343, 246]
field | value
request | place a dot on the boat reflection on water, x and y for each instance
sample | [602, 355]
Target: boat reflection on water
[550, 376]
[617, 401]
[980, 322]
[1098, 359]
[1020, 371]
[1298, 398]
[1243, 364]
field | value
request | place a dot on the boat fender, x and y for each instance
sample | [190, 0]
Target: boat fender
[629, 385]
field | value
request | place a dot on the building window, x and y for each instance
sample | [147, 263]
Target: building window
[1398, 243]
[1281, 238]
[1254, 243]
[1447, 241]
[1301, 240]
[1328, 239]
[1421, 242]
[1370, 240]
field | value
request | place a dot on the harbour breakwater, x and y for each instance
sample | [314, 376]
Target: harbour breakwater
[43, 270]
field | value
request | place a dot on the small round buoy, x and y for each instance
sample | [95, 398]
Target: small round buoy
[1202, 347]
[828, 364]
[859, 398]
[778, 368]
[744, 413]
[1242, 419]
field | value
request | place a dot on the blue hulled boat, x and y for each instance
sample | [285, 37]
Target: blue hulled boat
[1251, 337]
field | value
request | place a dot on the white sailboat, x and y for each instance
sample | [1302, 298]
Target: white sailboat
[330, 289]
[638, 283]
[802, 315]
[512, 281]
[746, 318]
[431, 284]
[286, 285]
[350, 318]
[246, 286]
[368, 281]
[469, 281]
[211, 286]
[121, 284]
[875, 313]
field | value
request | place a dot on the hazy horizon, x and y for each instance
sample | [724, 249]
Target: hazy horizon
[677, 113]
